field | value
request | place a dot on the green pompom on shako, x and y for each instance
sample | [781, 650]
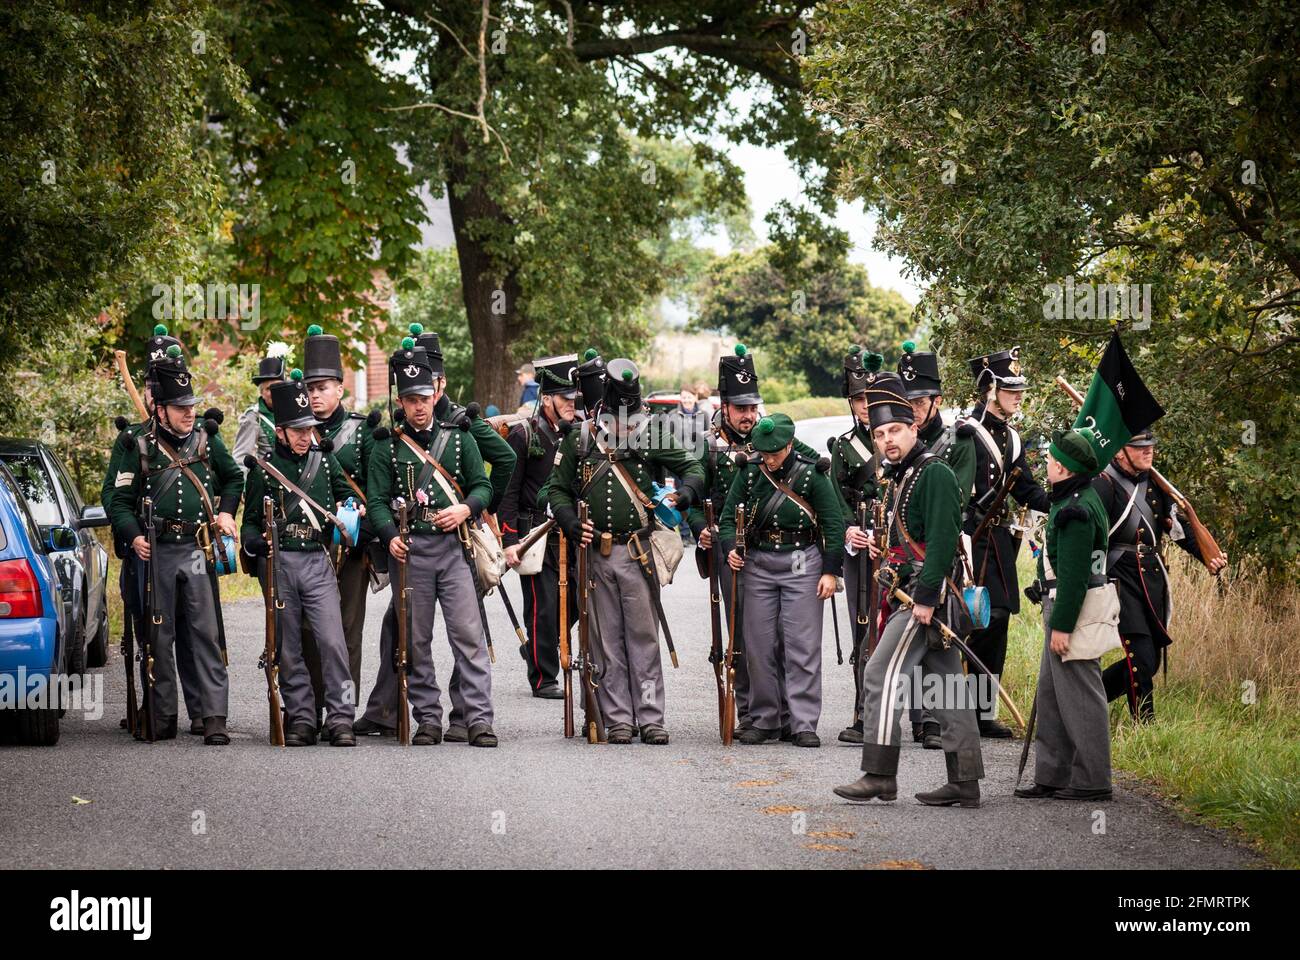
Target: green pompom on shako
[173, 351]
[741, 350]
[909, 346]
[408, 343]
[416, 329]
[591, 354]
[296, 374]
[773, 433]
[160, 330]
[315, 330]
[874, 362]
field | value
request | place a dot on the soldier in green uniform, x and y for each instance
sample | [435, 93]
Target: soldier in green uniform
[610, 464]
[124, 445]
[438, 471]
[923, 387]
[923, 520]
[192, 492]
[796, 541]
[306, 582]
[727, 449]
[1072, 743]
[352, 436]
[854, 472]
[256, 431]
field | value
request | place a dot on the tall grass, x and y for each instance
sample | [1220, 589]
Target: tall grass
[1225, 745]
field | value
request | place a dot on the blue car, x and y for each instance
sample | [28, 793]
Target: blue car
[52, 587]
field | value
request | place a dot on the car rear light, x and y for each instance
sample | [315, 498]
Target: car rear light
[20, 594]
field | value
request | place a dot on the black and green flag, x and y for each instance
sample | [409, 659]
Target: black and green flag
[1118, 404]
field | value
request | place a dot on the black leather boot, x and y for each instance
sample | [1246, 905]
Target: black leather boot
[930, 738]
[964, 793]
[869, 786]
[852, 734]
[214, 731]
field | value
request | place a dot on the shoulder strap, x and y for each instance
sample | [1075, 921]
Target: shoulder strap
[302, 495]
[903, 492]
[784, 488]
[986, 438]
[200, 455]
[431, 465]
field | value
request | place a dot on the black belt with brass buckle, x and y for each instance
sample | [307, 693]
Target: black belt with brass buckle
[1141, 549]
[776, 536]
[179, 528]
[426, 515]
[302, 531]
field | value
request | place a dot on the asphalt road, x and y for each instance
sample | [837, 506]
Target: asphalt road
[540, 800]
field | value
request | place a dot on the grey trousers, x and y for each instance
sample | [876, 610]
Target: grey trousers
[353, 585]
[741, 665]
[183, 592]
[1072, 742]
[781, 604]
[902, 658]
[438, 574]
[624, 624]
[185, 668]
[310, 594]
[914, 714]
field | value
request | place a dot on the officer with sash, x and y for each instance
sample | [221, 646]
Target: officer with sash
[1141, 514]
[998, 452]
[1072, 742]
[795, 546]
[610, 464]
[256, 431]
[923, 523]
[195, 489]
[727, 448]
[125, 446]
[924, 389]
[534, 442]
[438, 471]
[306, 483]
[352, 437]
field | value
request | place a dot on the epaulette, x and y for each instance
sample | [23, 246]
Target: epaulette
[1069, 514]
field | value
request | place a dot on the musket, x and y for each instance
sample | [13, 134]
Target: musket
[128, 654]
[715, 615]
[880, 530]
[862, 622]
[401, 658]
[835, 623]
[951, 638]
[153, 620]
[1029, 738]
[737, 614]
[501, 588]
[1206, 545]
[566, 662]
[536, 534]
[594, 720]
[270, 661]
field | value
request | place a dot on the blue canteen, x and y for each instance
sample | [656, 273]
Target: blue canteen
[351, 518]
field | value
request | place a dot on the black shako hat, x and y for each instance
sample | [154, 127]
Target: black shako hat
[590, 377]
[555, 376]
[887, 401]
[428, 341]
[1001, 368]
[321, 356]
[268, 368]
[860, 370]
[737, 378]
[623, 385]
[409, 370]
[290, 404]
[172, 382]
[919, 372]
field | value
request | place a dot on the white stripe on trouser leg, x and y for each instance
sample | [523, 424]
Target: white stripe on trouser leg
[885, 724]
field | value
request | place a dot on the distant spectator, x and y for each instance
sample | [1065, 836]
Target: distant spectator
[525, 376]
[704, 396]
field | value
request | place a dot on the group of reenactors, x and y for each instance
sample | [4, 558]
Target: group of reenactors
[911, 512]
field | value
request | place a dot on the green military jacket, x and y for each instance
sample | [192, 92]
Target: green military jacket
[493, 448]
[754, 490]
[958, 451]
[328, 488]
[353, 436]
[180, 501]
[923, 497]
[853, 469]
[123, 443]
[649, 448]
[720, 468]
[395, 471]
[1076, 539]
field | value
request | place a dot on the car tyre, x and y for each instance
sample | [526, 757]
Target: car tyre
[38, 728]
[97, 649]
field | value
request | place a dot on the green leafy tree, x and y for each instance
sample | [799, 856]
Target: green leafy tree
[1011, 147]
[804, 326]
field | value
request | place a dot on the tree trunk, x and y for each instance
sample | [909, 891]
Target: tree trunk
[491, 293]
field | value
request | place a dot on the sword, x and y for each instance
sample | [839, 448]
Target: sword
[952, 638]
